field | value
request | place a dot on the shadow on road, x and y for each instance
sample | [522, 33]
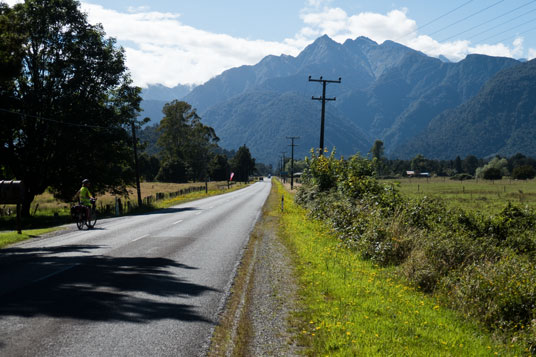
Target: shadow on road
[100, 288]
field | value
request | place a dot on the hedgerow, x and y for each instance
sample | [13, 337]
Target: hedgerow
[480, 264]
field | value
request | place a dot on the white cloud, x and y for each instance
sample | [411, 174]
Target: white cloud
[12, 2]
[532, 53]
[160, 49]
[396, 26]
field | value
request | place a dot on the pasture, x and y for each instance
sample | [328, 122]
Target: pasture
[475, 195]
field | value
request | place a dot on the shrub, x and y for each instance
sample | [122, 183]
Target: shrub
[492, 173]
[462, 177]
[524, 172]
[502, 293]
[386, 241]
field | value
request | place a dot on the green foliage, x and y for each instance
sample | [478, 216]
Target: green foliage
[242, 164]
[64, 74]
[322, 171]
[491, 173]
[352, 307]
[186, 143]
[439, 249]
[149, 166]
[218, 168]
[461, 177]
[524, 172]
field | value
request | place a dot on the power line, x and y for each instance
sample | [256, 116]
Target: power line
[434, 20]
[487, 22]
[509, 37]
[503, 23]
[54, 120]
[500, 33]
[465, 18]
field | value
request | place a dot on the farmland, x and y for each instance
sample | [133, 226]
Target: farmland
[475, 195]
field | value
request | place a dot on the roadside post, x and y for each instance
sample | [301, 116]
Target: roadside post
[12, 192]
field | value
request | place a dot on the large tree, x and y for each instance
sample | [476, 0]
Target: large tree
[187, 144]
[242, 164]
[71, 101]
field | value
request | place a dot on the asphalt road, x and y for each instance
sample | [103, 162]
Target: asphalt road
[147, 285]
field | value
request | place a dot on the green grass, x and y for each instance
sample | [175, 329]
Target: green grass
[351, 307]
[7, 238]
[475, 195]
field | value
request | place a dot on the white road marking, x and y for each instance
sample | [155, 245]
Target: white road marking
[198, 213]
[56, 273]
[143, 236]
[179, 221]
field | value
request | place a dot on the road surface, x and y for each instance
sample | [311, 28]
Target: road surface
[146, 285]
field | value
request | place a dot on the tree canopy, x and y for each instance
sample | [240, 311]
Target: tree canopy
[242, 164]
[67, 101]
[186, 144]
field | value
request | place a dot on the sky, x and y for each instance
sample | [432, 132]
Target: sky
[173, 42]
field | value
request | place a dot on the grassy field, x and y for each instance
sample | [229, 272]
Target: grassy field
[352, 307]
[482, 195]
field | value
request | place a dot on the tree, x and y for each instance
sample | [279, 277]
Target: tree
[498, 165]
[470, 164]
[185, 142]
[149, 166]
[419, 163]
[71, 105]
[377, 152]
[458, 165]
[242, 164]
[218, 168]
[523, 172]
[491, 173]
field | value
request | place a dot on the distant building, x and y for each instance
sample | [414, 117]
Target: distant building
[410, 173]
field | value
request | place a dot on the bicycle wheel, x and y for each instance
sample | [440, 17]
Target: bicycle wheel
[92, 219]
[80, 219]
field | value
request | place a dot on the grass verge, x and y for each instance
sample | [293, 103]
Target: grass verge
[353, 307]
[8, 238]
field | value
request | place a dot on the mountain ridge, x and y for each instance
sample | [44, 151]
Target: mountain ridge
[388, 92]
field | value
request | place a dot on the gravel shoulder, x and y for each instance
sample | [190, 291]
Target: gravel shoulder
[257, 317]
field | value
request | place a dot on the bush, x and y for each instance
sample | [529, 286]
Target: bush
[492, 173]
[502, 293]
[461, 177]
[524, 172]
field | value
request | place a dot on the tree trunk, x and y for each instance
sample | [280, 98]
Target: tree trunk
[27, 201]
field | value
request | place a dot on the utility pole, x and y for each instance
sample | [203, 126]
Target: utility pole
[282, 164]
[292, 138]
[136, 163]
[323, 99]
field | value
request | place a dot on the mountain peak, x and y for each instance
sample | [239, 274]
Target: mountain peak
[324, 41]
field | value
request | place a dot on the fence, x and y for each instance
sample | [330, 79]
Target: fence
[126, 206]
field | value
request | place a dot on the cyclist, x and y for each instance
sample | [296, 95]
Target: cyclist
[85, 197]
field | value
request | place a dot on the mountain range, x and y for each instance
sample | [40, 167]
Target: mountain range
[388, 92]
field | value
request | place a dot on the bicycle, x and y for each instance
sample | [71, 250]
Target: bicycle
[79, 215]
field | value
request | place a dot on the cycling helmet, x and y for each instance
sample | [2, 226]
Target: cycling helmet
[85, 181]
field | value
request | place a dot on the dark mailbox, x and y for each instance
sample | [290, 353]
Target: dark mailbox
[11, 192]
